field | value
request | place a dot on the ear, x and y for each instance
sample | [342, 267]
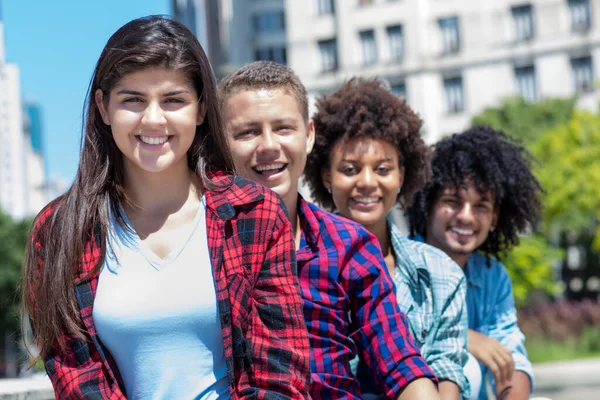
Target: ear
[495, 218]
[99, 98]
[310, 136]
[201, 112]
[326, 178]
[401, 178]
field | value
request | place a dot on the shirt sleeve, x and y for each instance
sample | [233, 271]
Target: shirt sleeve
[77, 372]
[447, 353]
[504, 328]
[381, 333]
[280, 349]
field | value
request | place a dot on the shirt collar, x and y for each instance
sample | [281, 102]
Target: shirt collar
[406, 263]
[474, 268]
[228, 192]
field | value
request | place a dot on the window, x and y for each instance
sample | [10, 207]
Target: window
[450, 35]
[277, 54]
[580, 15]
[396, 42]
[523, 20]
[325, 7]
[583, 75]
[369, 47]
[269, 22]
[329, 58]
[399, 89]
[526, 82]
[455, 101]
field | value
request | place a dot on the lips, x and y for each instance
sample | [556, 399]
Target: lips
[153, 140]
[268, 170]
[462, 232]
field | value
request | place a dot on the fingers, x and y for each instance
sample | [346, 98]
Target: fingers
[502, 365]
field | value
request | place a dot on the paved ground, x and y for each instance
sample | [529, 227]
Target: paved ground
[573, 380]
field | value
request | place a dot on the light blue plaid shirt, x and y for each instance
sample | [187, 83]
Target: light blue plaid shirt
[431, 290]
[492, 312]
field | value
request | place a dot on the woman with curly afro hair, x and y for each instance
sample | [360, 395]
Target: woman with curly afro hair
[369, 156]
[481, 196]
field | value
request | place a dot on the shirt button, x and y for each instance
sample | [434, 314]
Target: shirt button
[225, 319]
[424, 333]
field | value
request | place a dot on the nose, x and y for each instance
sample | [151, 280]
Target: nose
[366, 179]
[153, 114]
[465, 214]
[269, 142]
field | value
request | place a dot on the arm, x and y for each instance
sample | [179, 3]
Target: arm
[420, 389]
[381, 335]
[279, 350]
[78, 373]
[518, 388]
[503, 329]
[446, 350]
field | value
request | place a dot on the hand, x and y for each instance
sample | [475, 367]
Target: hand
[493, 355]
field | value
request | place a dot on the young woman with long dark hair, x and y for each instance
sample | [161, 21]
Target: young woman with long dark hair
[159, 273]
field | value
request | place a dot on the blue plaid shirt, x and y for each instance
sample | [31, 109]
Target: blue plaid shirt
[431, 290]
[492, 312]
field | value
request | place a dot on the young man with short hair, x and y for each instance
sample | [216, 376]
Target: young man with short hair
[481, 196]
[349, 303]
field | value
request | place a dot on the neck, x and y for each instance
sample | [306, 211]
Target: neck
[381, 232]
[160, 193]
[460, 259]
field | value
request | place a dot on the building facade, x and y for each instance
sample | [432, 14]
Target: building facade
[450, 59]
[13, 191]
[236, 32]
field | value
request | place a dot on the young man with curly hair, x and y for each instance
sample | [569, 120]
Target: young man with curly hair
[369, 157]
[349, 303]
[481, 195]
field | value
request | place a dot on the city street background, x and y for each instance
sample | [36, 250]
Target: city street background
[528, 67]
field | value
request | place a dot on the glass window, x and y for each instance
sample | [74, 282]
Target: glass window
[399, 89]
[277, 54]
[450, 31]
[269, 22]
[527, 83]
[523, 21]
[369, 47]
[396, 42]
[325, 7]
[583, 74]
[580, 15]
[455, 101]
[329, 57]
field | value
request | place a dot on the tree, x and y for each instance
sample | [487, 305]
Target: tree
[569, 171]
[13, 237]
[524, 120]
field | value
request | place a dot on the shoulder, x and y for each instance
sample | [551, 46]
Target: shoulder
[338, 227]
[487, 269]
[438, 263]
[42, 221]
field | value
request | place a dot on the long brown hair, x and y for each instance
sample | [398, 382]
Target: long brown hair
[59, 237]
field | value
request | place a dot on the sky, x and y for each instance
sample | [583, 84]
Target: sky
[56, 45]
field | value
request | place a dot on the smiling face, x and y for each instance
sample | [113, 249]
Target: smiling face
[365, 178]
[461, 221]
[153, 114]
[269, 139]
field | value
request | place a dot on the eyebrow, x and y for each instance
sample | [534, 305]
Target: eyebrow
[136, 93]
[355, 160]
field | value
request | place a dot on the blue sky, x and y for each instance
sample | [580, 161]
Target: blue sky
[56, 45]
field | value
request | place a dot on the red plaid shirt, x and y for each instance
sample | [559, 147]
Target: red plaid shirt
[264, 334]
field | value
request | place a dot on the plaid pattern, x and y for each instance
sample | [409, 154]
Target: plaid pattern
[350, 309]
[492, 312]
[264, 335]
[431, 289]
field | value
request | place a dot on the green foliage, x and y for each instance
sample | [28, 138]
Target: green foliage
[569, 171]
[526, 121]
[530, 267]
[13, 237]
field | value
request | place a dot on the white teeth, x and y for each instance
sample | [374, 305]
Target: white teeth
[465, 232]
[366, 200]
[153, 139]
[269, 167]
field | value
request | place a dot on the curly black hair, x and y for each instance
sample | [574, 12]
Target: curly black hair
[367, 108]
[492, 161]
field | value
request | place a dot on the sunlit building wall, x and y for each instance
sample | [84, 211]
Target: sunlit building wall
[452, 58]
